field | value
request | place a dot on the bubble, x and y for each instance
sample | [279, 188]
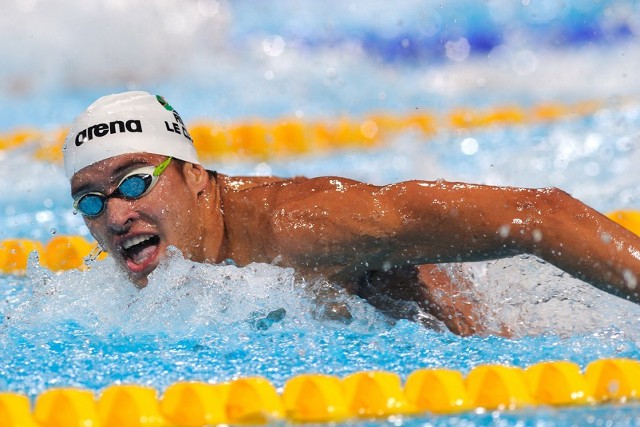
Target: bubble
[592, 142]
[469, 146]
[538, 163]
[613, 387]
[592, 169]
[399, 163]
[273, 46]
[524, 63]
[263, 169]
[44, 216]
[537, 235]
[543, 11]
[457, 50]
[630, 279]
[624, 143]
[369, 129]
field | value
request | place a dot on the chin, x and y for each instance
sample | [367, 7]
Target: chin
[139, 278]
[140, 282]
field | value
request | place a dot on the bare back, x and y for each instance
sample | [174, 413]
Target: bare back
[399, 292]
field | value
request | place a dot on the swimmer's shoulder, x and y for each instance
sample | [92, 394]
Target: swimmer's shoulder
[282, 187]
[242, 183]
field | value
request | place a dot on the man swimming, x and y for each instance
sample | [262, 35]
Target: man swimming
[136, 179]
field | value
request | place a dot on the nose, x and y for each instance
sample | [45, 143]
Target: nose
[119, 214]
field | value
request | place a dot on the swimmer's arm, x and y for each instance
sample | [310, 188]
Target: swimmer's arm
[488, 222]
[367, 228]
[482, 222]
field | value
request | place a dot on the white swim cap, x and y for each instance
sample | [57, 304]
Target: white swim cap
[129, 122]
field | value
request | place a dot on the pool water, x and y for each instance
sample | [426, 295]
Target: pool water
[232, 62]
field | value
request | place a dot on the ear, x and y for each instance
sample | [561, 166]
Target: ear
[196, 177]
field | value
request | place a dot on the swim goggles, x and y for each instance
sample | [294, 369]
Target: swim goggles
[132, 186]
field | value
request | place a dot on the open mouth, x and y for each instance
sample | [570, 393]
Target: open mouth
[139, 249]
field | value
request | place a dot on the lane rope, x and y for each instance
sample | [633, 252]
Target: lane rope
[263, 140]
[322, 398]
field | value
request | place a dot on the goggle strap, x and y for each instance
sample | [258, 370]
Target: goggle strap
[94, 254]
[161, 167]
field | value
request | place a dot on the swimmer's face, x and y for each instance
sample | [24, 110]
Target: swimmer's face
[136, 233]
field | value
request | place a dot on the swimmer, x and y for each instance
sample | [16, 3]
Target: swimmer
[137, 181]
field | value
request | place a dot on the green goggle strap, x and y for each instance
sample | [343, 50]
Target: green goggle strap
[161, 167]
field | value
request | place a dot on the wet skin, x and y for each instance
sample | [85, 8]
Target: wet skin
[349, 232]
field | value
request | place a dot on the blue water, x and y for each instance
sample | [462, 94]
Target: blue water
[320, 60]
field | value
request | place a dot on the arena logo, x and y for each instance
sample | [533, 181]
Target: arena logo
[102, 129]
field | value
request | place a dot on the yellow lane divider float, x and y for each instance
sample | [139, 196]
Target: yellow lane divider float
[59, 254]
[320, 398]
[260, 139]
[68, 252]
[629, 219]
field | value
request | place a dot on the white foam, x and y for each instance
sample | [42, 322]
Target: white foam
[522, 294]
[181, 297]
[532, 297]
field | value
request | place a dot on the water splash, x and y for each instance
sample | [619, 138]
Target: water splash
[531, 297]
[182, 298]
[218, 322]
[523, 295]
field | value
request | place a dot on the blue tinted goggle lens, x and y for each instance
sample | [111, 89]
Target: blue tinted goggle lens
[134, 186]
[131, 187]
[90, 204]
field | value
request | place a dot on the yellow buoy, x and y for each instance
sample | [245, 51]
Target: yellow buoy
[129, 406]
[289, 138]
[629, 219]
[614, 379]
[15, 410]
[376, 394]
[497, 387]
[194, 404]
[253, 400]
[437, 390]
[557, 383]
[66, 407]
[14, 254]
[66, 252]
[315, 398]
